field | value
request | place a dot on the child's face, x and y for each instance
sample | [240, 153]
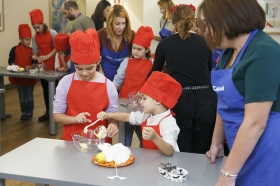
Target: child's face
[138, 51]
[148, 104]
[25, 42]
[86, 72]
[38, 28]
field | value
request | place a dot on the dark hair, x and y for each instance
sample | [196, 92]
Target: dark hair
[45, 27]
[148, 54]
[182, 19]
[98, 12]
[70, 4]
[232, 17]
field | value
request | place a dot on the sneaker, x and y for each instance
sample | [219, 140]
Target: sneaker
[23, 116]
[29, 116]
[44, 117]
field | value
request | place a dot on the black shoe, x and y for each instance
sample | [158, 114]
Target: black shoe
[45, 117]
[23, 116]
[29, 116]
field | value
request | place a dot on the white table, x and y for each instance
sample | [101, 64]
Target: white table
[51, 76]
[58, 162]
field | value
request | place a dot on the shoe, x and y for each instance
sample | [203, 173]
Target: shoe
[23, 116]
[44, 117]
[28, 116]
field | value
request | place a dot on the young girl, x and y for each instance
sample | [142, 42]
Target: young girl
[82, 94]
[21, 55]
[126, 79]
[159, 129]
[43, 50]
[62, 57]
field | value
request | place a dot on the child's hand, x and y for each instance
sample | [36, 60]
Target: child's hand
[81, 118]
[62, 55]
[148, 133]
[28, 67]
[42, 58]
[34, 57]
[102, 115]
[112, 130]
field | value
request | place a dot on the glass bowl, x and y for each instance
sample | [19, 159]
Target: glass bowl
[85, 142]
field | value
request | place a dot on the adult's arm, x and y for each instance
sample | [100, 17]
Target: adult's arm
[159, 58]
[250, 131]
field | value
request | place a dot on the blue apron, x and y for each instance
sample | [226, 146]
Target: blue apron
[262, 168]
[164, 33]
[112, 60]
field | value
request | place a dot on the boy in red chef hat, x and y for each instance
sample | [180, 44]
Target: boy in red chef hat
[20, 55]
[140, 63]
[159, 128]
[62, 58]
[82, 94]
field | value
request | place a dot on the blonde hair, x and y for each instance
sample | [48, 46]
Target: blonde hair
[182, 19]
[167, 5]
[118, 11]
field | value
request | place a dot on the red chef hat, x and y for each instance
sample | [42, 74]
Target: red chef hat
[143, 36]
[163, 88]
[61, 42]
[85, 47]
[24, 31]
[36, 16]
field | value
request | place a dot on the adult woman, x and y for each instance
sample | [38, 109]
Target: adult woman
[76, 104]
[166, 25]
[188, 60]
[43, 50]
[247, 82]
[100, 14]
[115, 41]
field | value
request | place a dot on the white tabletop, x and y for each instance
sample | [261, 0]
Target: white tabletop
[58, 162]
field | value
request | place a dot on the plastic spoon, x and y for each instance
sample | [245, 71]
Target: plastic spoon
[86, 128]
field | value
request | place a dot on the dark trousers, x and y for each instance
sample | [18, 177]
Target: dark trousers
[129, 129]
[44, 84]
[195, 115]
[26, 100]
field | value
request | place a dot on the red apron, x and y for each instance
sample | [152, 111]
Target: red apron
[23, 59]
[136, 75]
[149, 144]
[88, 97]
[45, 45]
[66, 59]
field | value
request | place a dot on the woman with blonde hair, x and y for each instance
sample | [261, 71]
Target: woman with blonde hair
[115, 41]
[188, 61]
[165, 21]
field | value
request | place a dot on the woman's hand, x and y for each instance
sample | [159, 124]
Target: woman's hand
[226, 181]
[112, 130]
[81, 118]
[148, 133]
[216, 151]
[102, 115]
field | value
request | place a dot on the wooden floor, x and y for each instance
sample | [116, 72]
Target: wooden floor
[15, 132]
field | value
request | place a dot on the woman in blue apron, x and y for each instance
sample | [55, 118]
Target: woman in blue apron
[247, 82]
[115, 41]
[165, 22]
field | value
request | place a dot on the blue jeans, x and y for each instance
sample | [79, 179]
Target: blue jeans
[195, 115]
[26, 98]
[129, 129]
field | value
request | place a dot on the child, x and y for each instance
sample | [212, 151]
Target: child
[21, 55]
[133, 72]
[159, 129]
[62, 57]
[82, 94]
